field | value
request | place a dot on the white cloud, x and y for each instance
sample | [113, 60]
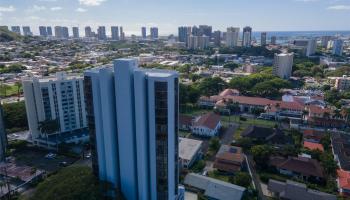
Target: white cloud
[91, 2]
[7, 9]
[339, 7]
[81, 10]
[36, 8]
[56, 8]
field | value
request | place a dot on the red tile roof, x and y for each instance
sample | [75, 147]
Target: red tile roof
[344, 179]
[313, 146]
[229, 92]
[209, 120]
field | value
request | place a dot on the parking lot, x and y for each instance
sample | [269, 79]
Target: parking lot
[36, 158]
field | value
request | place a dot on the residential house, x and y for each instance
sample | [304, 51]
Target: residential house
[291, 190]
[301, 167]
[343, 181]
[207, 125]
[185, 122]
[267, 135]
[323, 117]
[189, 151]
[341, 149]
[229, 159]
[313, 146]
[213, 188]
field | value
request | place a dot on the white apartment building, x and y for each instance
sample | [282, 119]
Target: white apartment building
[282, 65]
[232, 36]
[342, 83]
[198, 42]
[133, 124]
[58, 98]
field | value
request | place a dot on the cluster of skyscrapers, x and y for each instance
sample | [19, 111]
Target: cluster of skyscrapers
[199, 37]
[132, 117]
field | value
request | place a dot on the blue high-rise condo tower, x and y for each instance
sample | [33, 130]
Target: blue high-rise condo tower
[133, 117]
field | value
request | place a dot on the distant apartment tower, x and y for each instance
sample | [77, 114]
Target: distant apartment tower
[61, 32]
[217, 38]
[198, 42]
[205, 30]
[273, 40]
[184, 32]
[115, 32]
[154, 32]
[16, 29]
[311, 47]
[263, 39]
[282, 65]
[27, 31]
[247, 36]
[58, 98]
[49, 31]
[3, 136]
[43, 31]
[144, 32]
[134, 115]
[232, 36]
[122, 34]
[101, 33]
[88, 31]
[75, 32]
[342, 83]
[325, 40]
[338, 47]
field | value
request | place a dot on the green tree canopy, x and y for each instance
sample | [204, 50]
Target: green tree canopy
[71, 183]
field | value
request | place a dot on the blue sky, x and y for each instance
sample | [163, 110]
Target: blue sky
[262, 15]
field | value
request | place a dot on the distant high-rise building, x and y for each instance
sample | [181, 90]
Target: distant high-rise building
[88, 32]
[184, 32]
[122, 34]
[58, 32]
[282, 65]
[217, 38]
[16, 29]
[115, 32]
[338, 47]
[61, 32]
[144, 32]
[198, 42]
[65, 32]
[325, 40]
[311, 47]
[205, 30]
[59, 99]
[195, 31]
[101, 33]
[154, 32]
[273, 40]
[263, 38]
[49, 31]
[133, 124]
[3, 136]
[43, 31]
[27, 31]
[247, 36]
[75, 32]
[232, 36]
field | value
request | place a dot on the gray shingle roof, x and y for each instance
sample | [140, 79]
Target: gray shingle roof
[214, 188]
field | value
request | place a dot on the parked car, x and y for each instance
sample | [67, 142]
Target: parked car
[50, 156]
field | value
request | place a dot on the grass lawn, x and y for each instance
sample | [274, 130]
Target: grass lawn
[184, 134]
[9, 90]
[215, 174]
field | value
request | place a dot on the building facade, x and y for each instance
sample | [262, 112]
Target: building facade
[232, 36]
[75, 32]
[338, 46]
[101, 33]
[247, 36]
[115, 32]
[282, 65]
[58, 98]
[134, 115]
[154, 32]
[263, 38]
[144, 32]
